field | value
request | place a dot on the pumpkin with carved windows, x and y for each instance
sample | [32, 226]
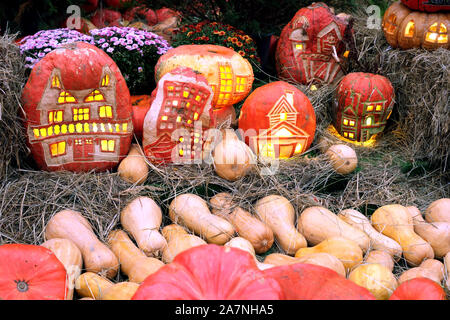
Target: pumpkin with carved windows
[363, 103]
[78, 114]
[277, 120]
[407, 29]
[227, 72]
[176, 126]
[428, 5]
[311, 47]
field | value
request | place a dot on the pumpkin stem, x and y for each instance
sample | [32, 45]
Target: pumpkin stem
[22, 286]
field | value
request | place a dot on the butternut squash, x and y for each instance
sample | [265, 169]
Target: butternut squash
[133, 262]
[431, 269]
[376, 278]
[318, 224]
[347, 251]
[97, 257]
[134, 168]
[279, 215]
[120, 291]
[70, 256]
[191, 211]
[142, 219]
[395, 222]
[438, 211]
[246, 225]
[380, 257]
[279, 259]
[437, 234]
[178, 240]
[378, 241]
[92, 285]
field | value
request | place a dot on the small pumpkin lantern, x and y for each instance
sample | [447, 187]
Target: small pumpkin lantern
[277, 121]
[428, 5]
[362, 106]
[174, 127]
[227, 72]
[78, 110]
[406, 29]
[311, 46]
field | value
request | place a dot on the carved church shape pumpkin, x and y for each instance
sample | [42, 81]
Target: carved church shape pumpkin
[277, 121]
[78, 111]
[175, 125]
[311, 46]
[362, 106]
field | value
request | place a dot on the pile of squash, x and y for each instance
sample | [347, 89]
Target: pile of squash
[344, 253]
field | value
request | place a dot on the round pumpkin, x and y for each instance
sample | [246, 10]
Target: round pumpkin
[209, 272]
[362, 105]
[141, 12]
[419, 289]
[277, 121]
[30, 272]
[407, 29]
[427, 5]
[140, 105]
[78, 114]
[107, 18]
[178, 116]
[227, 72]
[311, 46]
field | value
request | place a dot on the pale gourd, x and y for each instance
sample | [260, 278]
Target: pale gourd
[279, 215]
[380, 257]
[395, 222]
[244, 244]
[347, 251]
[192, 212]
[70, 256]
[438, 211]
[378, 241]
[318, 224]
[437, 234]
[142, 218]
[343, 158]
[431, 269]
[92, 285]
[376, 278]
[178, 240]
[97, 257]
[133, 262]
[134, 168]
[246, 225]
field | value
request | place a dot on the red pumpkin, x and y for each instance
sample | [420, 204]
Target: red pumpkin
[78, 110]
[363, 104]
[419, 289]
[120, 4]
[278, 120]
[30, 272]
[209, 272]
[311, 282]
[106, 18]
[174, 127]
[141, 12]
[310, 45]
[428, 5]
[90, 5]
[165, 13]
[141, 105]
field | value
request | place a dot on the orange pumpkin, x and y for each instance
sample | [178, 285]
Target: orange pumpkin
[140, 105]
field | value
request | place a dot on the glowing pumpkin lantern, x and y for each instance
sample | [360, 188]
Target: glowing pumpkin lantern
[227, 72]
[362, 105]
[406, 29]
[174, 127]
[311, 46]
[78, 110]
[428, 5]
[277, 121]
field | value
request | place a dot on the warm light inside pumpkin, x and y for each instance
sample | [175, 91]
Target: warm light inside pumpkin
[105, 112]
[391, 24]
[283, 133]
[410, 29]
[105, 81]
[56, 83]
[299, 148]
[94, 96]
[369, 143]
[436, 34]
[107, 145]
[80, 114]
[66, 97]
[55, 116]
[58, 149]
[267, 150]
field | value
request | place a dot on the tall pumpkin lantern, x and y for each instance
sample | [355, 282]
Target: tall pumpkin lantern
[277, 121]
[311, 47]
[227, 72]
[78, 110]
[363, 103]
[176, 125]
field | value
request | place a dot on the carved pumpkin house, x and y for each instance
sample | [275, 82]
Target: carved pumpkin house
[277, 121]
[362, 106]
[78, 110]
[311, 46]
[181, 112]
